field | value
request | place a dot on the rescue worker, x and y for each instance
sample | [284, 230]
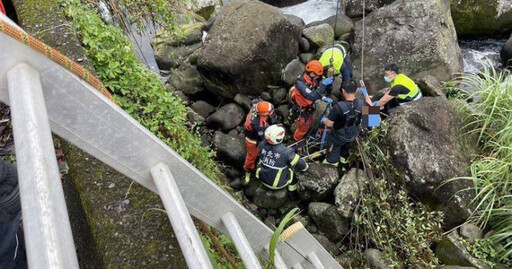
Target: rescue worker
[260, 116]
[303, 95]
[277, 161]
[345, 121]
[403, 89]
[341, 62]
[12, 251]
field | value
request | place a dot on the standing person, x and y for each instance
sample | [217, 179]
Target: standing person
[259, 118]
[345, 121]
[12, 251]
[277, 161]
[303, 95]
[403, 89]
[341, 62]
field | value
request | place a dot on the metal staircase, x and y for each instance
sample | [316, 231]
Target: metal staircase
[45, 97]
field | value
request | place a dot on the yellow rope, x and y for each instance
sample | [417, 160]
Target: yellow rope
[55, 56]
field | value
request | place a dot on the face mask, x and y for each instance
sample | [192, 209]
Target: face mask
[387, 79]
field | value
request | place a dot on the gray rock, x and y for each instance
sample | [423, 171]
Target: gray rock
[189, 81]
[346, 37]
[236, 184]
[202, 108]
[304, 45]
[348, 192]
[506, 53]
[266, 96]
[375, 260]
[270, 199]
[181, 95]
[432, 153]
[243, 101]
[306, 57]
[193, 117]
[319, 35]
[283, 3]
[318, 183]
[270, 221]
[482, 17]
[305, 220]
[283, 111]
[229, 148]
[190, 34]
[327, 244]
[247, 47]
[451, 251]
[279, 96]
[470, 232]
[295, 20]
[168, 57]
[430, 86]
[328, 220]
[226, 118]
[406, 26]
[455, 267]
[344, 25]
[250, 190]
[292, 71]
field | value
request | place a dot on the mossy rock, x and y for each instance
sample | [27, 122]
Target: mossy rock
[481, 17]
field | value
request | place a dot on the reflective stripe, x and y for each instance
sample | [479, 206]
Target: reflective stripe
[343, 160]
[258, 173]
[327, 162]
[250, 140]
[295, 160]
[409, 84]
[277, 178]
[293, 187]
[273, 167]
[305, 169]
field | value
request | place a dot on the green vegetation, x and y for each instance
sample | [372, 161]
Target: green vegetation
[491, 169]
[277, 233]
[138, 91]
[387, 218]
[487, 251]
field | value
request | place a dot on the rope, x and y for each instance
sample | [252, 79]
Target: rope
[331, 61]
[55, 56]
[362, 43]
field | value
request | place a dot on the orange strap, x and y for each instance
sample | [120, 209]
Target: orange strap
[55, 56]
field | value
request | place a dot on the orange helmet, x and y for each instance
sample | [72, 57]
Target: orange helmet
[315, 67]
[264, 108]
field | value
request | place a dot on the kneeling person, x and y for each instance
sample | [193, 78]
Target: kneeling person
[345, 120]
[403, 89]
[276, 161]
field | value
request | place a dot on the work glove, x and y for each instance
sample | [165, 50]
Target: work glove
[328, 81]
[376, 103]
[327, 100]
[364, 91]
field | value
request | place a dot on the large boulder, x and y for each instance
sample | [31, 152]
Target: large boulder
[247, 47]
[374, 259]
[344, 25]
[451, 251]
[417, 35]
[482, 17]
[426, 146]
[348, 192]
[355, 7]
[188, 80]
[292, 71]
[318, 183]
[270, 199]
[202, 108]
[328, 220]
[226, 118]
[319, 35]
[470, 232]
[506, 53]
[171, 50]
[230, 148]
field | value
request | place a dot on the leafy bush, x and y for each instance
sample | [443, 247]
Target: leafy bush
[387, 218]
[491, 170]
[487, 251]
[138, 91]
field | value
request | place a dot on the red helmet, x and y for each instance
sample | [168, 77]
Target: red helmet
[264, 108]
[315, 67]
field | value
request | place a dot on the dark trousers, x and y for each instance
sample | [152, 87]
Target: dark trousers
[12, 245]
[339, 143]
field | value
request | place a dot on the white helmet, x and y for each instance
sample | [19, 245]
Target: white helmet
[274, 134]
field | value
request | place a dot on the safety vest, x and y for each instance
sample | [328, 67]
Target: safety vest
[255, 125]
[274, 167]
[337, 53]
[408, 83]
[298, 98]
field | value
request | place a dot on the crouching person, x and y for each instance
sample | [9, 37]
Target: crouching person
[276, 162]
[345, 121]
